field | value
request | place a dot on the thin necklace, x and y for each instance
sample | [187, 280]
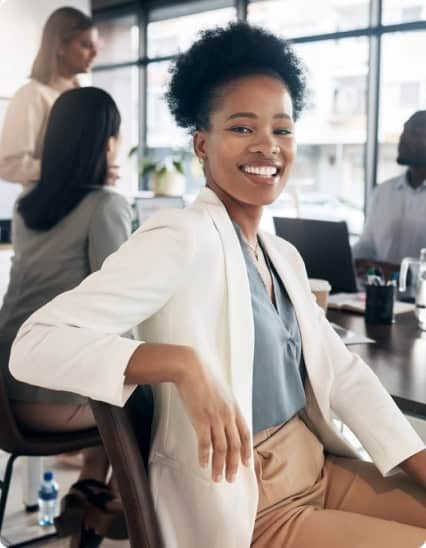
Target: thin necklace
[255, 248]
[262, 265]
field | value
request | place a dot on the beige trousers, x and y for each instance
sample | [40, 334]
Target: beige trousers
[308, 500]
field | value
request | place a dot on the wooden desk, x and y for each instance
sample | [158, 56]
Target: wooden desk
[398, 357]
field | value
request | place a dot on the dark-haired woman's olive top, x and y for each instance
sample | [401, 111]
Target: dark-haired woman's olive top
[278, 369]
[47, 263]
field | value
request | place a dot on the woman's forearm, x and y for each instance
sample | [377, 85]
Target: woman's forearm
[153, 363]
[415, 466]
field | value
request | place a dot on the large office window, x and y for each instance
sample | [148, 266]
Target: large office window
[366, 75]
[168, 37]
[176, 34]
[122, 84]
[119, 46]
[161, 129]
[331, 133]
[119, 39]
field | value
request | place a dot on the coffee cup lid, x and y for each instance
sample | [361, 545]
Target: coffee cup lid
[317, 284]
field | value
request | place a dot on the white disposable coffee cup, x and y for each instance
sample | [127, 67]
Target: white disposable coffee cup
[321, 290]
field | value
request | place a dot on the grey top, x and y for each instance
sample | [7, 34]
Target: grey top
[396, 222]
[278, 372]
[47, 263]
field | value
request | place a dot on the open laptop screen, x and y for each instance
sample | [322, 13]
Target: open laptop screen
[325, 249]
[145, 207]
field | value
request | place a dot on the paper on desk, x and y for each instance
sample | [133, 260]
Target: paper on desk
[350, 337]
[355, 302]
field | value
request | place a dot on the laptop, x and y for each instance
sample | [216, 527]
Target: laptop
[325, 249]
[146, 206]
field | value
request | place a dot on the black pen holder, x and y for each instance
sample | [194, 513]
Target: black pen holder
[379, 304]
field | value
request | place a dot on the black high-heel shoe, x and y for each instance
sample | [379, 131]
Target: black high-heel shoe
[91, 505]
[70, 519]
[86, 497]
[86, 538]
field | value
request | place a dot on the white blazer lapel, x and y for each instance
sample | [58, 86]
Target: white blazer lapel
[240, 315]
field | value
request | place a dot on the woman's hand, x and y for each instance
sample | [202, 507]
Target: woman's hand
[216, 418]
[214, 413]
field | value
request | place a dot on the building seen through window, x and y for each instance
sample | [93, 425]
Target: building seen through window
[292, 18]
[403, 11]
[171, 36]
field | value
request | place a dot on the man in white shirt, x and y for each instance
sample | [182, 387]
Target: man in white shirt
[396, 221]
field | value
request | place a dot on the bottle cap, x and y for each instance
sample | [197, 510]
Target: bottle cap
[48, 476]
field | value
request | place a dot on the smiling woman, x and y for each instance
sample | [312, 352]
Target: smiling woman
[242, 360]
[248, 154]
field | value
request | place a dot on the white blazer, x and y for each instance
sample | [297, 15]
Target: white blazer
[182, 279]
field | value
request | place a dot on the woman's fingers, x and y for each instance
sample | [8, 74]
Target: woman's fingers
[230, 444]
[220, 427]
[204, 446]
[220, 451]
[245, 438]
[234, 451]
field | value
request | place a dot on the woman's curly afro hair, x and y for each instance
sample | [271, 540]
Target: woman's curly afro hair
[222, 55]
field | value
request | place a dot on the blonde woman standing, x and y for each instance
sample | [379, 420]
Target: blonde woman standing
[68, 47]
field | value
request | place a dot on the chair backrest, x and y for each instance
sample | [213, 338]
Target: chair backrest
[126, 436]
[10, 435]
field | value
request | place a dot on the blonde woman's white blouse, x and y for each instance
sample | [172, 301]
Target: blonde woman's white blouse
[24, 128]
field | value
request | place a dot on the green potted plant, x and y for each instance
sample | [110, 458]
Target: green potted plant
[166, 174]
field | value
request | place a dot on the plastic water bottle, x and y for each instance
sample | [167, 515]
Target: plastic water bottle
[47, 499]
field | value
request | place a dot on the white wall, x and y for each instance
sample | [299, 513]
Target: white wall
[21, 22]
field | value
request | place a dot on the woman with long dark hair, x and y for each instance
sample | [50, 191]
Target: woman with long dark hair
[68, 47]
[63, 229]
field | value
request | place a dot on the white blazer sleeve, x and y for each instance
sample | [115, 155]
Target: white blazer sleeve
[74, 343]
[359, 399]
[25, 118]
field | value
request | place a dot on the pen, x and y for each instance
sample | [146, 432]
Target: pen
[379, 272]
[373, 278]
[370, 275]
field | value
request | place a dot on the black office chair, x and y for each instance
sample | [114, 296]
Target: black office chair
[20, 442]
[126, 436]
